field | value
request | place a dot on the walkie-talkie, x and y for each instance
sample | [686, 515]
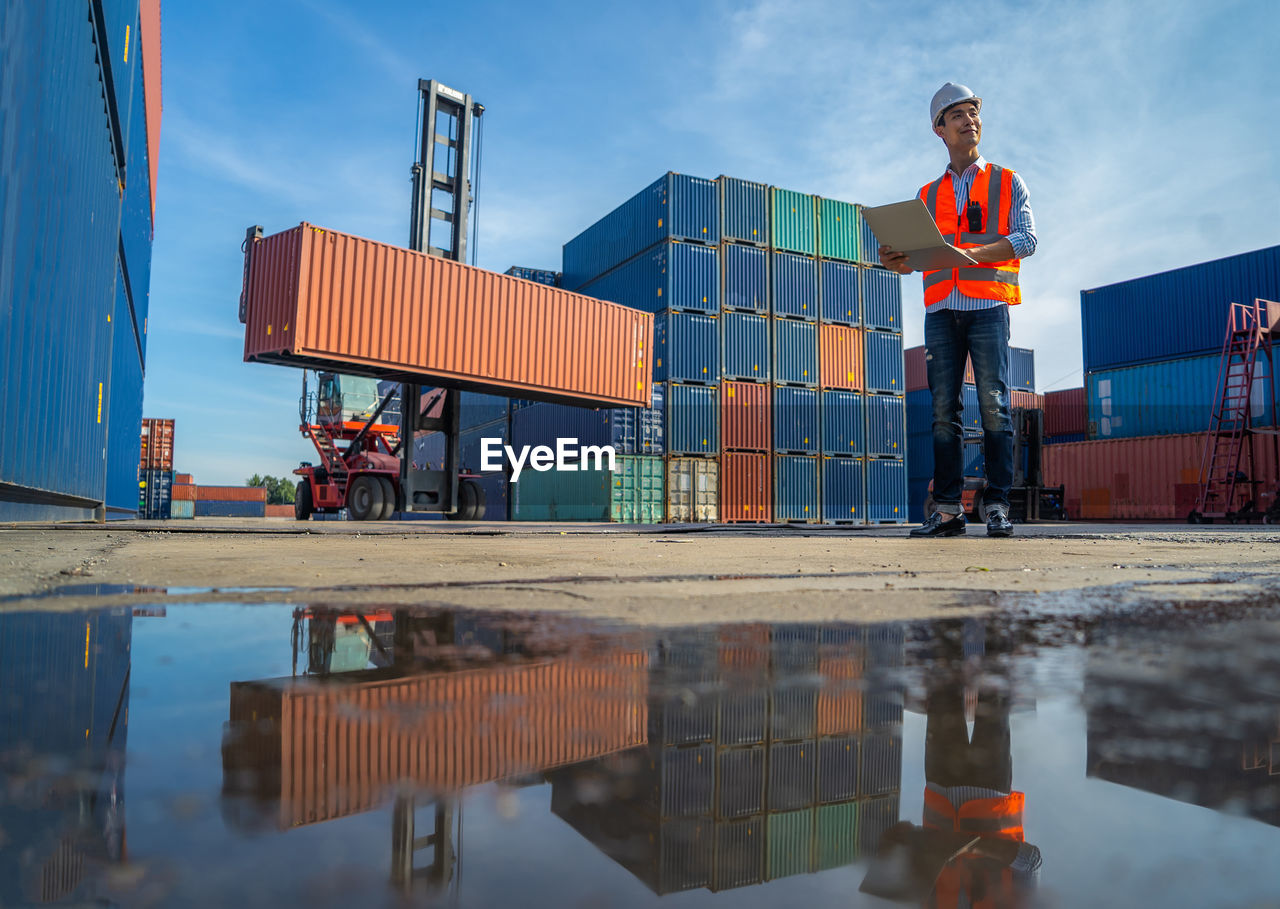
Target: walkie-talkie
[973, 211]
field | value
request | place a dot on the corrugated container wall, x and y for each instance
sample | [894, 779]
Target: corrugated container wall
[885, 371]
[837, 230]
[881, 293]
[746, 278]
[561, 495]
[842, 423]
[1022, 368]
[59, 236]
[686, 347]
[693, 419]
[795, 286]
[1066, 412]
[886, 491]
[671, 275]
[302, 305]
[1174, 314]
[842, 490]
[886, 425]
[745, 338]
[746, 487]
[793, 221]
[745, 211]
[839, 293]
[796, 419]
[673, 207]
[1166, 398]
[795, 352]
[745, 421]
[795, 485]
[124, 413]
[693, 490]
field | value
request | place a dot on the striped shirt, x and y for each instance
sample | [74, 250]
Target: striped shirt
[1022, 231]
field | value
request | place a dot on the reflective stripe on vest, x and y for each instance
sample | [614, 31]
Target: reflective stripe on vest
[999, 816]
[993, 188]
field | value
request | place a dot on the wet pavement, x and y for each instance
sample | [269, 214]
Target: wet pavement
[180, 754]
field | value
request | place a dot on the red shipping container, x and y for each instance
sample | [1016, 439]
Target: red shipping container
[1066, 412]
[157, 444]
[746, 488]
[327, 750]
[1135, 479]
[746, 410]
[183, 493]
[840, 357]
[183, 479]
[231, 494]
[280, 511]
[316, 297]
[917, 376]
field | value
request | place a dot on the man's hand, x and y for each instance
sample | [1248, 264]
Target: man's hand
[894, 261]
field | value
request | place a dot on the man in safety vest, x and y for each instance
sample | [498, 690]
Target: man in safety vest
[970, 849]
[983, 209]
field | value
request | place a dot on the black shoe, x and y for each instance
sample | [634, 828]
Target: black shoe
[998, 523]
[940, 525]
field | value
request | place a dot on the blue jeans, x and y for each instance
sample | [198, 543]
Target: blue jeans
[983, 336]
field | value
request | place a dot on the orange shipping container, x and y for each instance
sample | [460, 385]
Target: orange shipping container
[840, 357]
[183, 479]
[231, 493]
[157, 445]
[1135, 479]
[745, 416]
[327, 750]
[185, 493]
[1018, 398]
[280, 511]
[746, 488]
[840, 698]
[316, 297]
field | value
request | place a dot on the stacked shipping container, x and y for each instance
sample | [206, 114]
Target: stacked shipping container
[763, 368]
[919, 402]
[155, 469]
[76, 212]
[1149, 395]
[772, 751]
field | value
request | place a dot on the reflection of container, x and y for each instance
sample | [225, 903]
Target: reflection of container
[739, 854]
[875, 817]
[836, 835]
[840, 698]
[681, 781]
[792, 775]
[742, 715]
[790, 843]
[881, 763]
[740, 782]
[837, 768]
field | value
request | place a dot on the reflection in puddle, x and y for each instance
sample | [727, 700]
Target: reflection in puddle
[482, 759]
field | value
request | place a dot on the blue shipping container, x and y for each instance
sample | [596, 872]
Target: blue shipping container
[745, 211]
[886, 425]
[886, 491]
[839, 292]
[1176, 396]
[794, 279]
[746, 278]
[795, 488]
[475, 409]
[630, 430]
[917, 493]
[471, 447]
[795, 419]
[881, 293]
[884, 365]
[207, 509]
[135, 216]
[1022, 369]
[843, 423]
[693, 419]
[670, 276]
[155, 492]
[843, 495]
[124, 412]
[868, 245]
[1174, 314]
[673, 207]
[1064, 439]
[688, 347]
[59, 203]
[746, 346]
[920, 455]
[920, 411]
[536, 275]
[795, 352]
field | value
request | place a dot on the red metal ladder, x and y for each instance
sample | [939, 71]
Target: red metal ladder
[1231, 434]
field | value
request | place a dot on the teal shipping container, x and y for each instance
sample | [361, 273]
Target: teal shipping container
[837, 230]
[793, 221]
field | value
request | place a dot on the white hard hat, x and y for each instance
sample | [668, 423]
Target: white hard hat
[949, 94]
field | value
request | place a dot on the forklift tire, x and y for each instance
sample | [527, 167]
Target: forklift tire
[388, 499]
[470, 502]
[364, 498]
[1195, 518]
[978, 516]
[477, 505]
[302, 503]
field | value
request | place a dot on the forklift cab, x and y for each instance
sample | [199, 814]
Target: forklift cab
[341, 399]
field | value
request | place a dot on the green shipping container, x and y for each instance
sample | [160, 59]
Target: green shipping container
[794, 222]
[639, 491]
[789, 843]
[554, 495]
[837, 835]
[693, 490]
[837, 230]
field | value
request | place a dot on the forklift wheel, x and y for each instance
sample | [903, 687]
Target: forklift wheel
[302, 504]
[364, 499]
[478, 502]
[388, 499]
[1195, 518]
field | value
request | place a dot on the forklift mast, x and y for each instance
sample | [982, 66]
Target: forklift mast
[439, 216]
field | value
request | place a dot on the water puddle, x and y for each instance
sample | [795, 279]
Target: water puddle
[250, 755]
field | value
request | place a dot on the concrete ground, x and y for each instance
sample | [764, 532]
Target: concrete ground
[669, 574]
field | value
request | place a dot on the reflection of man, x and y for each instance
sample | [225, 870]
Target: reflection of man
[970, 849]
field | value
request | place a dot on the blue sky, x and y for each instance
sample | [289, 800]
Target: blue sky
[1145, 133]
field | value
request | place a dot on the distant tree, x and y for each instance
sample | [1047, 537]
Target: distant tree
[280, 490]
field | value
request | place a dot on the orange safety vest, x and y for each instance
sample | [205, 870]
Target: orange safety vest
[992, 189]
[987, 886]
